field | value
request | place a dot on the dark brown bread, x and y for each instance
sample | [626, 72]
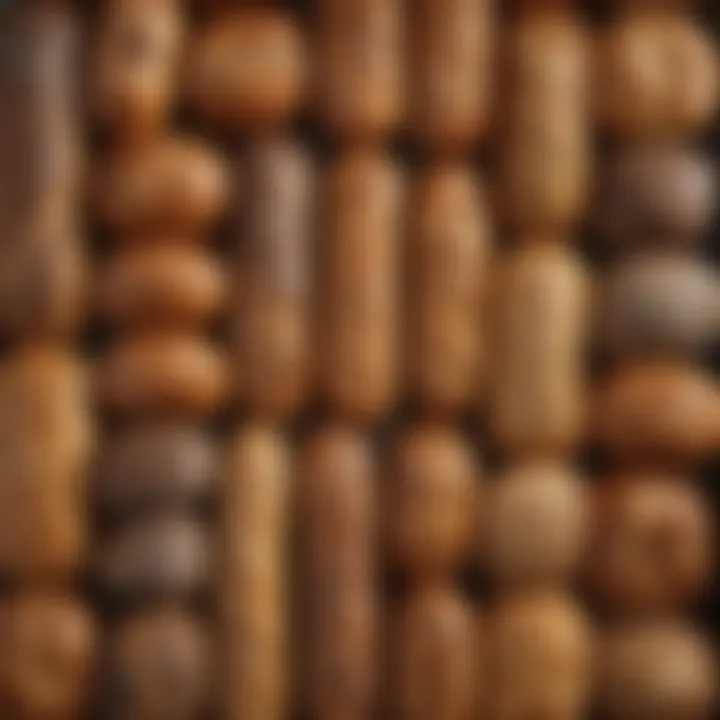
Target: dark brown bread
[163, 556]
[153, 466]
[157, 667]
[655, 196]
[41, 173]
[660, 306]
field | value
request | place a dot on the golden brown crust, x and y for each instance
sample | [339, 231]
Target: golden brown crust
[248, 68]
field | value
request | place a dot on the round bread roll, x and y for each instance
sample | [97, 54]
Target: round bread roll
[657, 414]
[175, 186]
[544, 150]
[46, 438]
[161, 286]
[164, 556]
[448, 261]
[652, 549]
[157, 667]
[358, 286]
[451, 75]
[152, 466]
[656, 75]
[536, 524]
[431, 501]
[274, 278]
[435, 657]
[538, 658]
[248, 68]
[254, 555]
[163, 376]
[47, 657]
[539, 328]
[134, 63]
[660, 306]
[336, 572]
[664, 670]
[655, 195]
[360, 68]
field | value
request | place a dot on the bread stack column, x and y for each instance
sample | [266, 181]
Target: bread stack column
[538, 643]
[161, 380]
[45, 428]
[357, 104]
[655, 411]
[431, 490]
[247, 76]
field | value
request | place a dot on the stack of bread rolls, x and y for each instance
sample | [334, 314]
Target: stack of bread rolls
[159, 289]
[46, 431]
[655, 409]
